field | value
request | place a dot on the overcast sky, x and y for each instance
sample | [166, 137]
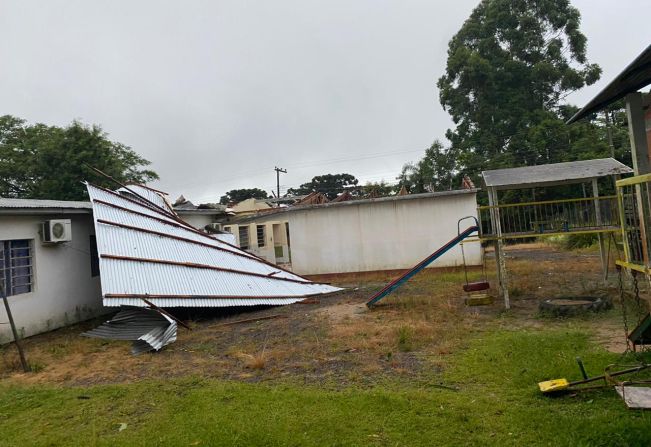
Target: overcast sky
[217, 93]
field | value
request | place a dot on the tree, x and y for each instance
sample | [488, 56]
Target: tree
[49, 162]
[238, 195]
[436, 171]
[328, 184]
[378, 189]
[508, 68]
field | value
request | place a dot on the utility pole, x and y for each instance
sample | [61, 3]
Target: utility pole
[278, 171]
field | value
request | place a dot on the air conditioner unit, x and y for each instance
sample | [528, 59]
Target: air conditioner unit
[56, 230]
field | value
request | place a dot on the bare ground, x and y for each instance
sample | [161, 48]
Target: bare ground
[337, 340]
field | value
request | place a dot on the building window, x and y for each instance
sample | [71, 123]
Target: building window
[227, 229]
[16, 266]
[261, 235]
[244, 237]
[94, 257]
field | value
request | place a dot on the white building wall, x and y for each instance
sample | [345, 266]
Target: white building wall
[381, 235]
[198, 221]
[64, 291]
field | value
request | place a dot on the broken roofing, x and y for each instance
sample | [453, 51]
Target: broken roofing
[146, 251]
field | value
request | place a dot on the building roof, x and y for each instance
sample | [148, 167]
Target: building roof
[634, 77]
[35, 206]
[333, 204]
[553, 174]
[147, 252]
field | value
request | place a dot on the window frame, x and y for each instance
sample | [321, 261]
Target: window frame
[263, 233]
[8, 266]
[247, 238]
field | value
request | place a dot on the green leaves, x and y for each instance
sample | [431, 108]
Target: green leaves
[508, 68]
[238, 195]
[49, 162]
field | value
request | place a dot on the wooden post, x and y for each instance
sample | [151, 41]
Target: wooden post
[599, 222]
[637, 133]
[21, 354]
[499, 247]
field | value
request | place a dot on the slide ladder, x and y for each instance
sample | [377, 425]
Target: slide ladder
[396, 283]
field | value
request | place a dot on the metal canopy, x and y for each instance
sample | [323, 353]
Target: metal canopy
[634, 77]
[553, 174]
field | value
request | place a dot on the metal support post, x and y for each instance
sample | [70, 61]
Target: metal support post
[499, 247]
[599, 222]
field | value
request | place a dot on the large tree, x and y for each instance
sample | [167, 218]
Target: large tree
[237, 195]
[329, 184]
[509, 67]
[436, 171]
[49, 162]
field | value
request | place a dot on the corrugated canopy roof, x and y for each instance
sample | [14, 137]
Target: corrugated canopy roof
[634, 77]
[146, 251]
[42, 206]
[553, 174]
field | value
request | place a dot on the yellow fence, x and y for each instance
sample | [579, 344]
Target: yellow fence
[548, 218]
[634, 195]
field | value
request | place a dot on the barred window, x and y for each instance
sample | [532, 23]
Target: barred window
[16, 266]
[261, 235]
[244, 237]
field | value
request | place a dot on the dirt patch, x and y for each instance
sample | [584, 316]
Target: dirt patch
[335, 341]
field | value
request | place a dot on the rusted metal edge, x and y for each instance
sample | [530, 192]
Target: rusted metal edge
[200, 266]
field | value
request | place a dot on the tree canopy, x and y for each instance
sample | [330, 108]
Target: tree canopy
[49, 162]
[436, 171]
[238, 195]
[328, 184]
[508, 69]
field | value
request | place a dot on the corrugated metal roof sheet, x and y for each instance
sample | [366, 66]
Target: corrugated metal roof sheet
[33, 203]
[147, 194]
[553, 174]
[146, 252]
[634, 77]
[147, 328]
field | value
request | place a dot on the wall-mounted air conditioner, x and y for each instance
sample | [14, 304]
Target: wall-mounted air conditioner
[56, 230]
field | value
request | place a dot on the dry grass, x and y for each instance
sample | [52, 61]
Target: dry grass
[338, 340]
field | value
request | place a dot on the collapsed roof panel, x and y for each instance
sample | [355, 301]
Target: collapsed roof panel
[146, 252]
[156, 197]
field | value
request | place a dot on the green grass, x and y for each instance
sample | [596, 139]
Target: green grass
[497, 403]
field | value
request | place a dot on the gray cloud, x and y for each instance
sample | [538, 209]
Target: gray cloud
[216, 93]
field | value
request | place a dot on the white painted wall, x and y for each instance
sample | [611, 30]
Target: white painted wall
[380, 235]
[64, 291]
[198, 221]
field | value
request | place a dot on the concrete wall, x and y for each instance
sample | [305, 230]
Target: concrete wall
[64, 291]
[198, 221]
[380, 235]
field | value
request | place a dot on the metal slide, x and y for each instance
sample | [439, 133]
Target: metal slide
[393, 285]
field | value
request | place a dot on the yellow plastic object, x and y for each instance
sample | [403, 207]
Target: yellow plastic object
[550, 386]
[478, 299]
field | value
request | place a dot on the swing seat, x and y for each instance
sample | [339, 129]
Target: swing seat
[476, 286]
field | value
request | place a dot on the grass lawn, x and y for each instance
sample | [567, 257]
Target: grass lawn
[497, 403]
[419, 370]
